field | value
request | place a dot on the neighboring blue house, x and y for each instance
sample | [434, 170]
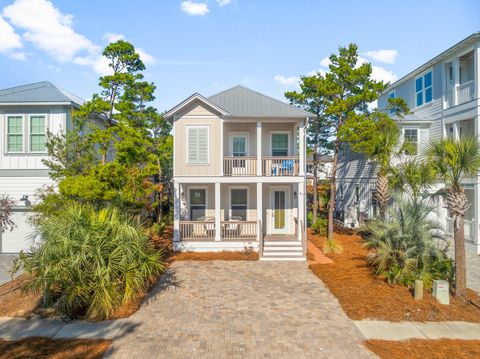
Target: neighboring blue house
[443, 96]
[26, 114]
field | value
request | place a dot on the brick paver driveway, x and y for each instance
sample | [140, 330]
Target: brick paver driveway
[227, 309]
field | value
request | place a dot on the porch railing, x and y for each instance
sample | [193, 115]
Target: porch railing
[239, 166]
[465, 92]
[280, 166]
[468, 227]
[243, 230]
[197, 230]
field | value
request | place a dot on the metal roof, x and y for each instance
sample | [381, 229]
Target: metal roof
[240, 101]
[40, 92]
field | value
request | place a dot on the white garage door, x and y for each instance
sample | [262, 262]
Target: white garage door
[20, 238]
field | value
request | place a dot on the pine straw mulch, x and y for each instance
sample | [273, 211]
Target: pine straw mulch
[14, 302]
[364, 296]
[37, 347]
[423, 348]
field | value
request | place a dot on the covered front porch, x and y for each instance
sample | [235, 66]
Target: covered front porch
[236, 216]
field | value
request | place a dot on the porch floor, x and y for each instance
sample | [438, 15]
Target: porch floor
[280, 237]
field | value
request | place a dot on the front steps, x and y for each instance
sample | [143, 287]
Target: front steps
[278, 250]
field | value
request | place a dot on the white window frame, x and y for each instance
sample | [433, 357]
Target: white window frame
[230, 200]
[422, 76]
[29, 140]
[394, 92]
[188, 145]
[231, 135]
[23, 133]
[418, 138]
[289, 146]
[188, 200]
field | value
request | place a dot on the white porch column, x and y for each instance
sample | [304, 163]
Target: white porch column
[301, 150]
[259, 148]
[218, 229]
[301, 209]
[456, 132]
[260, 207]
[476, 71]
[476, 206]
[456, 78]
[176, 212]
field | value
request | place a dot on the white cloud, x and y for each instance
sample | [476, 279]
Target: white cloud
[385, 56]
[290, 80]
[194, 8]
[21, 56]
[325, 62]
[382, 74]
[223, 2]
[145, 57]
[10, 39]
[48, 29]
[113, 37]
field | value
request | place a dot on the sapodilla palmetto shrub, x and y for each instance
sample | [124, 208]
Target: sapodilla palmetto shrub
[409, 245]
[90, 262]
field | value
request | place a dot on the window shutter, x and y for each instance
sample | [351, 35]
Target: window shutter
[198, 145]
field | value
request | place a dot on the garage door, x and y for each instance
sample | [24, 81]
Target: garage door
[20, 238]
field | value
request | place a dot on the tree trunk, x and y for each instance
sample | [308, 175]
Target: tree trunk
[460, 267]
[331, 201]
[383, 194]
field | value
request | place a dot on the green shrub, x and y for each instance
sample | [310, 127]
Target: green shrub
[320, 226]
[409, 245]
[90, 262]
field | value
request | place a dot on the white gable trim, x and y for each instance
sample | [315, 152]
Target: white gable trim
[189, 100]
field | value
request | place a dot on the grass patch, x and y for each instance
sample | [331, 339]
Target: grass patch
[422, 348]
[364, 296]
[37, 347]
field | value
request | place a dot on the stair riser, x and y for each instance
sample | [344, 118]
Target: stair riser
[278, 254]
[266, 249]
[283, 259]
[273, 243]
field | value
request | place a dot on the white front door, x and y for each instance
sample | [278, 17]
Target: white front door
[279, 210]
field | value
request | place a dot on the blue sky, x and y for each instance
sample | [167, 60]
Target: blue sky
[209, 45]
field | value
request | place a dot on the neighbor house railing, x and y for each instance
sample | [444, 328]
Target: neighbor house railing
[239, 230]
[468, 227]
[465, 92]
[197, 230]
[239, 166]
[280, 166]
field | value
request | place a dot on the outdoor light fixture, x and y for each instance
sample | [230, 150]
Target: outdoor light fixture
[26, 200]
[295, 195]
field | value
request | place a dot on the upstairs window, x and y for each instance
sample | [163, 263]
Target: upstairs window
[37, 133]
[15, 134]
[391, 94]
[239, 145]
[280, 144]
[411, 135]
[197, 144]
[424, 89]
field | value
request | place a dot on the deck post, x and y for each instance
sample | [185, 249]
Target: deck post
[176, 212]
[218, 227]
[260, 208]
[300, 209]
[301, 140]
[259, 148]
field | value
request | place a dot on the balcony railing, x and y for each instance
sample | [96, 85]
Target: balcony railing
[239, 166]
[243, 230]
[197, 230]
[230, 230]
[465, 92]
[280, 166]
[468, 227]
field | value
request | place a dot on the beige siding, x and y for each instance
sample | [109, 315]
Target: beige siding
[251, 202]
[232, 128]
[268, 128]
[198, 116]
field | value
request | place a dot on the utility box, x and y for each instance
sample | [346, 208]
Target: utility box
[441, 291]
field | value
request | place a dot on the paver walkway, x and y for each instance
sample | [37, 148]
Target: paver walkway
[240, 309]
[377, 329]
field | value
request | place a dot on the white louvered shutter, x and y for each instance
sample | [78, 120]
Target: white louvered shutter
[203, 145]
[198, 145]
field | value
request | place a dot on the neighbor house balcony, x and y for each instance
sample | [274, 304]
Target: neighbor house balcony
[465, 92]
[272, 166]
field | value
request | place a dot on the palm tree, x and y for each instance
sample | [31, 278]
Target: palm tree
[452, 161]
[412, 178]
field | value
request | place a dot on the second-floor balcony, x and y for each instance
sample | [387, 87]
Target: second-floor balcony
[270, 166]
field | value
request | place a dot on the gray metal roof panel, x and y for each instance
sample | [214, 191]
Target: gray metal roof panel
[240, 101]
[38, 92]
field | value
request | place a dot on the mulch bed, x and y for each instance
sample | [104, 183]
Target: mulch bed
[16, 303]
[37, 347]
[215, 256]
[422, 348]
[364, 296]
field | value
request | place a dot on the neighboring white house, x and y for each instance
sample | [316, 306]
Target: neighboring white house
[239, 174]
[324, 170]
[26, 114]
[443, 96]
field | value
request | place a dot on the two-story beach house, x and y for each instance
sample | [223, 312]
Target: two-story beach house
[443, 95]
[239, 174]
[26, 114]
